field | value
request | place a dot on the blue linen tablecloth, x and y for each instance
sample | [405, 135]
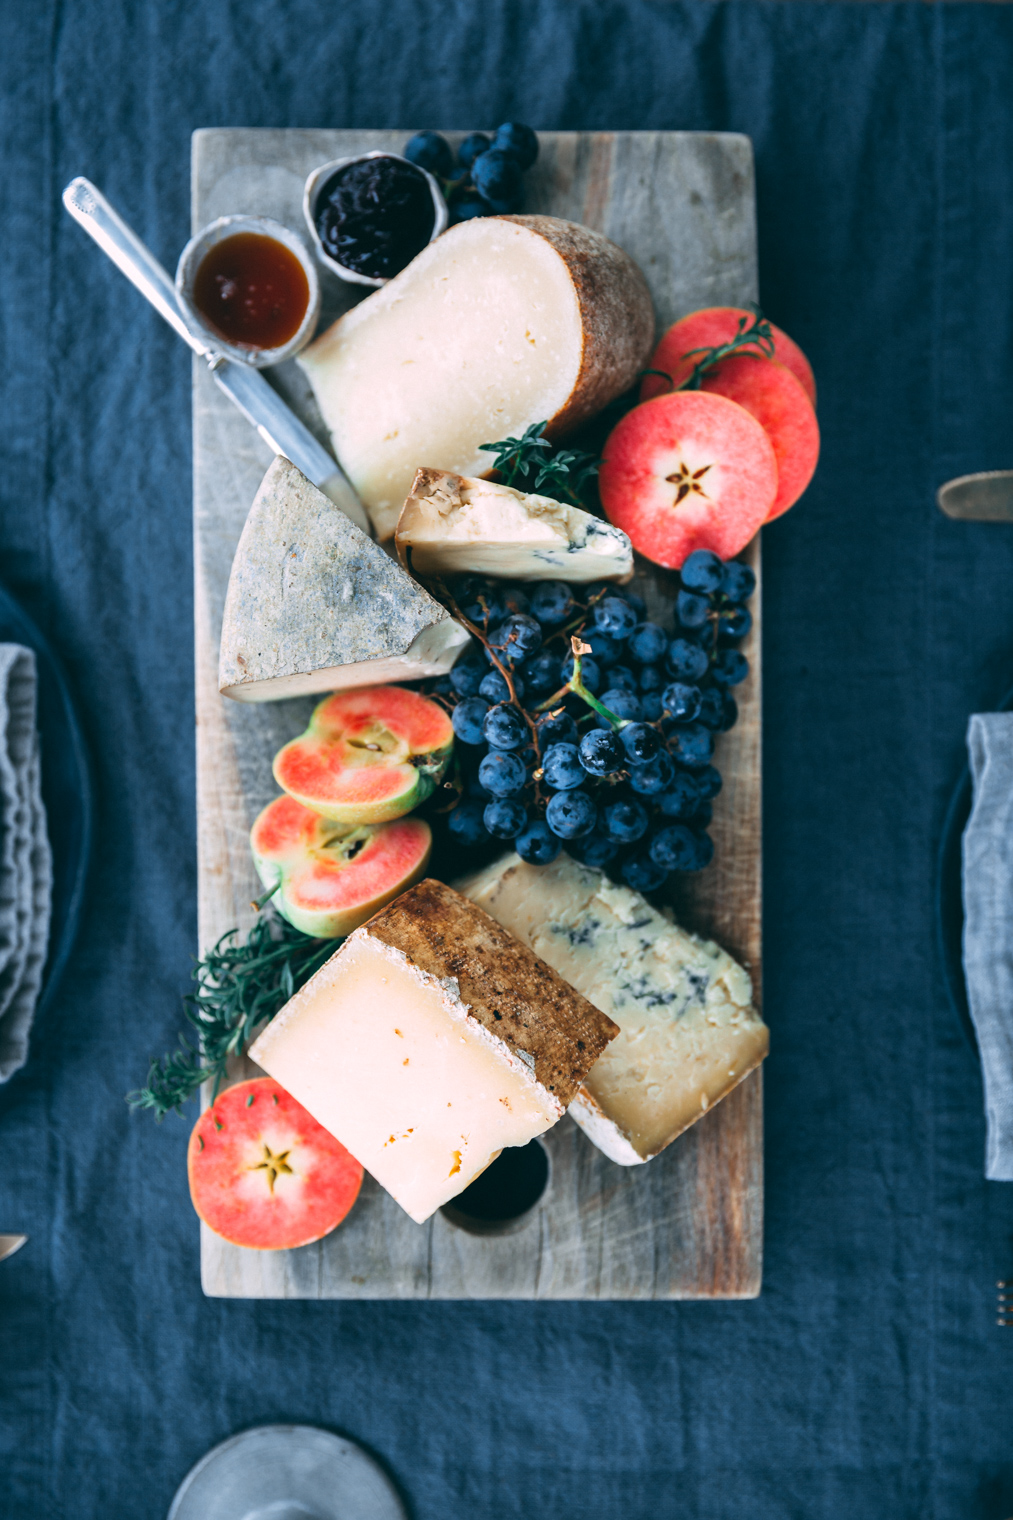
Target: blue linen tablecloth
[869, 1379]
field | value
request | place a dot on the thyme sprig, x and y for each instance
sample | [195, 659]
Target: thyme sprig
[240, 984]
[561, 473]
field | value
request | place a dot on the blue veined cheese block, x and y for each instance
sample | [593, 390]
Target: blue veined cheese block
[688, 1032]
[451, 524]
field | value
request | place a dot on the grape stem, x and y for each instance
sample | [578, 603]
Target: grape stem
[576, 685]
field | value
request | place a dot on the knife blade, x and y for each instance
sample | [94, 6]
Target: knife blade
[9, 1244]
[245, 386]
[985, 497]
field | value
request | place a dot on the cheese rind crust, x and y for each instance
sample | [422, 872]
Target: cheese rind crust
[451, 523]
[688, 1030]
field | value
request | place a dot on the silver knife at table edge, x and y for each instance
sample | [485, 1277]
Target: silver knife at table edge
[245, 386]
[11, 1243]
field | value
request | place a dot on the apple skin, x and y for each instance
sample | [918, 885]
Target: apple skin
[776, 399]
[688, 470]
[331, 877]
[369, 754]
[245, 1199]
[709, 328]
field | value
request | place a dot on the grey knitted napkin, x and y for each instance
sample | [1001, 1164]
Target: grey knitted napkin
[26, 874]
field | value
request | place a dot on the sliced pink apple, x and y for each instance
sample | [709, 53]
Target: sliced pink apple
[688, 470]
[710, 328]
[776, 399]
[369, 755]
[331, 877]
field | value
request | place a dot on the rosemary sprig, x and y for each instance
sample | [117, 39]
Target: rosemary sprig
[755, 336]
[239, 986]
[559, 473]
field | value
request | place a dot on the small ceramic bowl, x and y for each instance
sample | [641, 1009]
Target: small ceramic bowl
[191, 259]
[319, 178]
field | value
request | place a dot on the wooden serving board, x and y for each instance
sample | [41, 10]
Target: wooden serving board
[689, 1224]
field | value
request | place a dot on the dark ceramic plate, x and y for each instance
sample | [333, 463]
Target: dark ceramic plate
[949, 895]
[66, 790]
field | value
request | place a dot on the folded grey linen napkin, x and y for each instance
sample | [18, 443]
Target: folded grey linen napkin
[26, 872]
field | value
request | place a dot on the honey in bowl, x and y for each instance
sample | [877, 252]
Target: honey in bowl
[252, 290]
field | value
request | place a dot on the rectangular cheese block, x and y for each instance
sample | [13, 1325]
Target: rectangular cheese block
[452, 524]
[429, 1041]
[688, 1030]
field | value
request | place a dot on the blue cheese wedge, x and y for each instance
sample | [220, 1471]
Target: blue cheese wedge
[688, 1032]
[451, 523]
[314, 605]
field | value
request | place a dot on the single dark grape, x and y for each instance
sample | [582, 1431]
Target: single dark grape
[681, 798]
[625, 820]
[642, 873]
[606, 649]
[674, 848]
[622, 704]
[483, 604]
[474, 144]
[704, 851]
[650, 678]
[703, 571]
[681, 701]
[571, 814]
[502, 773]
[430, 151]
[647, 643]
[516, 638]
[601, 753]
[505, 817]
[519, 141]
[614, 616]
[465, 822]
[691, 745]
[551, 602]
[542, 673]
[730, 714]
[654, 777]
[691, 609]
[467, 676]
[495, 689]
[467, 719]
[562, 768]
[537, 844]
[738, 582]
[516, 599]
[712, 708]
[622, 678]
[734, 623]
[650, 706]
[708, 781]
[730, 667]
[499, 180]
[595, 849]
[686, 660]
[556, 727]
[640, 743]
[590, 673]
[504, 728]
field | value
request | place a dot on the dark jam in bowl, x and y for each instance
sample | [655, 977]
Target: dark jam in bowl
[374, 215]
[252, 290]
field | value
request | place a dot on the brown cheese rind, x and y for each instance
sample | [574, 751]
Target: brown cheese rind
[508, 989]
[617, 316]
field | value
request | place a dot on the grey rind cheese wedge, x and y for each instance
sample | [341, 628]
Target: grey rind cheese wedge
[452, 524]
[314, 605]
[688, 1030]
[499, 323]
[431, 1040]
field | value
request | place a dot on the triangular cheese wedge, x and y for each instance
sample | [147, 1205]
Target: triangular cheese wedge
[314, 605]
[451, 523]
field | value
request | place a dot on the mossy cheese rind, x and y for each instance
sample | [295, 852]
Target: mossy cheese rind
[314, 605]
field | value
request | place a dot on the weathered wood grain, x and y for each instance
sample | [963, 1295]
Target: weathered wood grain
[689, 1224]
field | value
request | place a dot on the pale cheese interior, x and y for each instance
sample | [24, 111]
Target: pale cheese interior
[688, 1030]
[479, 337]
[386, 1057]
[432, 653]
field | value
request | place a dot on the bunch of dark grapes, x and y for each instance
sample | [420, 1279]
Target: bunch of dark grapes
[604, 744]
[488, 177]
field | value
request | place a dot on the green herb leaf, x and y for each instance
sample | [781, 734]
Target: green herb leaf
[559, 474]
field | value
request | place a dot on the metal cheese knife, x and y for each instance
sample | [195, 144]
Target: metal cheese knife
[986, 497]
[246, 387]
[9, 1244]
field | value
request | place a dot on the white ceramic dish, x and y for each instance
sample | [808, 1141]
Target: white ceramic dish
[320, 176]
[190, 261]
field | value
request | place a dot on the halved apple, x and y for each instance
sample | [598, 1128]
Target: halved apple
[369, 754]
[709, 328]
[332, 877]
[771, 393]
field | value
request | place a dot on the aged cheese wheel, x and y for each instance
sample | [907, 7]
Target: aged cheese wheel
[501, 322]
